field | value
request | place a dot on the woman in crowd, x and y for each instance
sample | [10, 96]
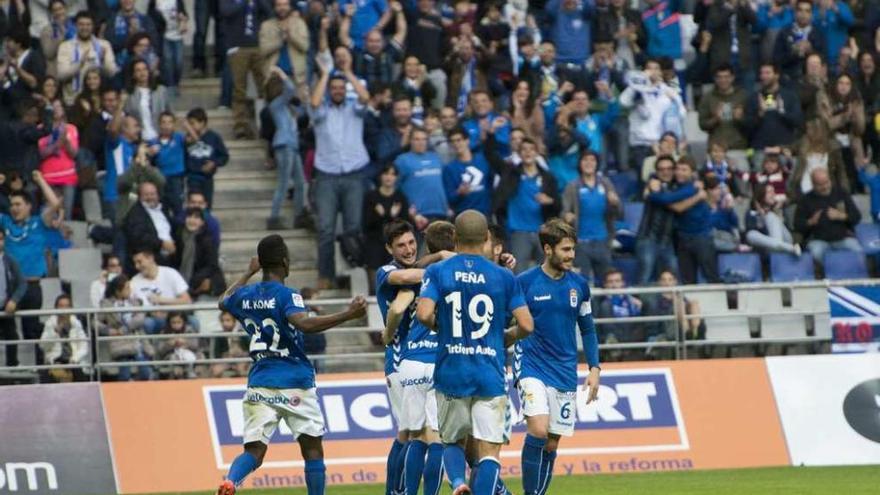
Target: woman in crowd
[413, 83]
[118, 295]
[848, 125]
[526, 113]
[381, 205]
[765, 223]
[58, 156]
[146, 99]
[816, 149]
[50, 91]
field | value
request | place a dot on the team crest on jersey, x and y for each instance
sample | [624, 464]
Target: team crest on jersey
[469, 264]
[573, 298]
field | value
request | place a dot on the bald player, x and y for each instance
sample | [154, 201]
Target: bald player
[465, 300]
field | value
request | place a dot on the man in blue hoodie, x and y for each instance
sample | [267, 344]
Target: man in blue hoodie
[695, 249]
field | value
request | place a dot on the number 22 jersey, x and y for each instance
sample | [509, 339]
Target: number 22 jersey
[276, 346]
[473, 297]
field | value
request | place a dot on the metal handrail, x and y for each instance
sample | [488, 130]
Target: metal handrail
[813, 284]
[679, 344]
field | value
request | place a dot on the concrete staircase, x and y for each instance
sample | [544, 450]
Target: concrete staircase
[243, 192]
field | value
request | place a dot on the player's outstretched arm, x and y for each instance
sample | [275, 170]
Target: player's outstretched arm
[429, 259]
[425, 313]
[253, 268]
[357, 308]
[525, 325]
[395, 314]
[406, 276]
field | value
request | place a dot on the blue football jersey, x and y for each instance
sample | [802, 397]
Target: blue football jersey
[558, 307]
[421, 343]
[473, 296]
[385, 295]
[276, 346]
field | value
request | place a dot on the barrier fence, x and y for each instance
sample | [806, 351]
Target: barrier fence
[730, 334]
[102, 438]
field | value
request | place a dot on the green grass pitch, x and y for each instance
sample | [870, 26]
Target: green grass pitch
[770, 481]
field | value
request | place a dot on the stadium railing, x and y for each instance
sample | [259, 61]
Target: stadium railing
[679, 346]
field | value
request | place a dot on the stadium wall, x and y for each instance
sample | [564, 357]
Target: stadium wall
[658, 416]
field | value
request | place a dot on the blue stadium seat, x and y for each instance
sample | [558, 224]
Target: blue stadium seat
[632, 214]
[845, 264]
[629, 267]
[869, 237]
[786, 267]
[740, 267]
[625, 183]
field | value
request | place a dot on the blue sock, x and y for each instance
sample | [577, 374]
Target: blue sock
[532, 455]
[487, 477]
[390, 466]
[414, 466]
[399, 478]
[316, 477]
[549, 461]
[434, 469]
[454, 461]
[242, 466]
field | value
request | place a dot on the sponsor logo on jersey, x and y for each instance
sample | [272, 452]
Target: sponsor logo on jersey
[543, 298]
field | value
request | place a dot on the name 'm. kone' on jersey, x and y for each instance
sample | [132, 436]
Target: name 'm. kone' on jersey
[473, 297]
[276, 346]
[559, 308]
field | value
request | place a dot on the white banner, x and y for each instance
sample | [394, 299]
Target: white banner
[829, 407]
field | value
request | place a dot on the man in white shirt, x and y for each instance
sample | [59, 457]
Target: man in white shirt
[157, 285]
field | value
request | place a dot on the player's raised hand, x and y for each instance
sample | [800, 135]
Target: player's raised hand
[508, 260]
[254, 265]
[591, 385]
[358, 307]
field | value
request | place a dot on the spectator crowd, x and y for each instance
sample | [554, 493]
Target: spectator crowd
[420, 109]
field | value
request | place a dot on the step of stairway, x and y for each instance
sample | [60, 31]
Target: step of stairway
[245, 181]
[250, 215]
[297, 278]
[243, 244]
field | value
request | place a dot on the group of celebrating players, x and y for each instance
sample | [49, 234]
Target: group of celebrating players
[449, 319]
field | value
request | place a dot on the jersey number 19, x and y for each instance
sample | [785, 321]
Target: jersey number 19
[477, 303]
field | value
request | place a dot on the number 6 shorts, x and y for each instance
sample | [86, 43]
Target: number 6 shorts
[485, 418]
[265, 407]
[538, 399]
